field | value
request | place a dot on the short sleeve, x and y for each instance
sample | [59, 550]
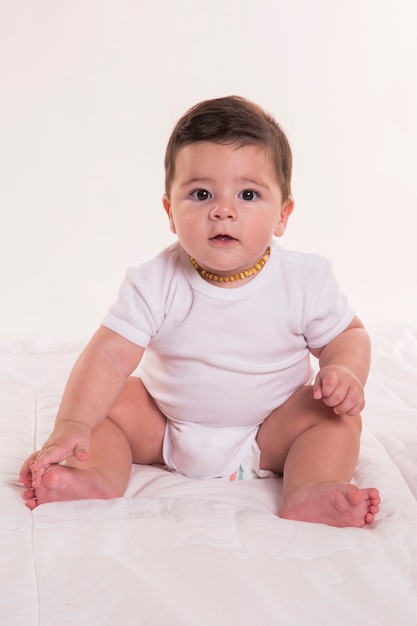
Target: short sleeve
[144, 298]
[132, 316]
[327, 312]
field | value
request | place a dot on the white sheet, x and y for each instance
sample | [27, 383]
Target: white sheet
[177, 552]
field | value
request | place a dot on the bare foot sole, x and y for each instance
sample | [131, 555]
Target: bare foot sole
[332, 503]
[62, 483]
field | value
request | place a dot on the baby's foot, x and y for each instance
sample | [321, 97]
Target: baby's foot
[332, 503]
[61, 483]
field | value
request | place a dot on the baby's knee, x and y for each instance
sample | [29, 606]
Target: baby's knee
[356, 421]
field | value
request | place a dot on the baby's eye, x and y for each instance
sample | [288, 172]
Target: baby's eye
[200, 194]
[248, 195]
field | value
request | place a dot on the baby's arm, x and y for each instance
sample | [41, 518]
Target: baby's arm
[93, 386]
[344, 367]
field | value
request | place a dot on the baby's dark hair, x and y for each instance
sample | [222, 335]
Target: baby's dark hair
[236, 121]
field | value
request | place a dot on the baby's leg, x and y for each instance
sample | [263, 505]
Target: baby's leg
[316, 451]
[133, 432]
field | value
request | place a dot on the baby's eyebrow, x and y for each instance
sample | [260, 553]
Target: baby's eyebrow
[205, 180]
[195, 180]
[252, 181]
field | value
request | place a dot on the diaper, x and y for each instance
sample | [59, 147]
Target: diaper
[249, 468]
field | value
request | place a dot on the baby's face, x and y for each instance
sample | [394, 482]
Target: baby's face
[225, 205]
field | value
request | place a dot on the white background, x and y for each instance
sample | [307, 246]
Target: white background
[90, 91]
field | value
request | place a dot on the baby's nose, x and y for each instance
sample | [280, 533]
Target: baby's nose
[223, 211]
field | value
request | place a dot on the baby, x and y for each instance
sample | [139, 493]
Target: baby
[222, 323]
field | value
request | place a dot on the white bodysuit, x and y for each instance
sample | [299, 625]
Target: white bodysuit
[218, 361]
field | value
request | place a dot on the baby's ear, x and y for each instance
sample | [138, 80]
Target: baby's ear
[167, 206]
[286, 210]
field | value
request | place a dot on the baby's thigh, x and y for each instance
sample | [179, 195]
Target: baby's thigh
[137, 415]
[280, 429]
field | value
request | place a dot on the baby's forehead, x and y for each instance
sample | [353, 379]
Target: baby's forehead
[212, 149]
[205, 155]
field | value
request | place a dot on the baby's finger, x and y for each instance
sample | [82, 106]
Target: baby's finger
[317, 388]
[81, 453]
[42, 460]
[25, 470]
[36, 476]
[50, 455]
[353, 404]
[331, 388]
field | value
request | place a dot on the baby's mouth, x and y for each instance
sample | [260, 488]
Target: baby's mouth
[223, 238]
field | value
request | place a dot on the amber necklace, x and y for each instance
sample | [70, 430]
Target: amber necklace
[226, 279]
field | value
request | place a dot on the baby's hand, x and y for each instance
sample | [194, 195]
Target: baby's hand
[68, 439]
[340, 389]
